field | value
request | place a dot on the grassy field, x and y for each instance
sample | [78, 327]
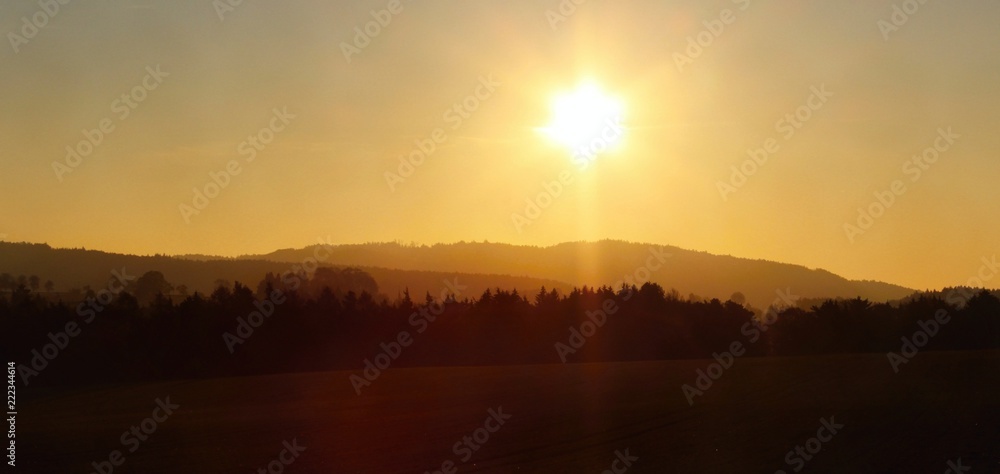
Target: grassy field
[563, 418]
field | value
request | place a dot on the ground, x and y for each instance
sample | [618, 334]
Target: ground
[572, 418]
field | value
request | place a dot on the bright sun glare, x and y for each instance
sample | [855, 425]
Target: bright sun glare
[586, 118]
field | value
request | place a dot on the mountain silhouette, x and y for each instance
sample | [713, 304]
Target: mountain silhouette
[74, 269]
[607, 262]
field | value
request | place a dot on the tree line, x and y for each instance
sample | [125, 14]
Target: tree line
[336, 319]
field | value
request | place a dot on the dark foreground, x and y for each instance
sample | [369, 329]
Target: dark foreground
[942, 406]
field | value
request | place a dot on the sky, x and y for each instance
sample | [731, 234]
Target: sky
[293, 123]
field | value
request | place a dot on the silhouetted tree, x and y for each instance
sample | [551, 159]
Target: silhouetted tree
[150, 284]
[738, 298]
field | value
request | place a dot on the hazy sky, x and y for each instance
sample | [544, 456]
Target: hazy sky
[324, 171]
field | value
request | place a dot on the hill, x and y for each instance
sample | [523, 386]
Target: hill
[477, 265]
[76, 268]
[608, 262]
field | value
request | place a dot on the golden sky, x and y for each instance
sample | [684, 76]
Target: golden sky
[338, 108]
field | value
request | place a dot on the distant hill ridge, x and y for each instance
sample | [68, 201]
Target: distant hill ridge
[76, 268]
[608, 261]
[478, 265]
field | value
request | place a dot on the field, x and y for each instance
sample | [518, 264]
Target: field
[562, 418]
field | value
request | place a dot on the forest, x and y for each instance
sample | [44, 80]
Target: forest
[335, 319]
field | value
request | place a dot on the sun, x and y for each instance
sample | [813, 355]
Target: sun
[586, 119]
